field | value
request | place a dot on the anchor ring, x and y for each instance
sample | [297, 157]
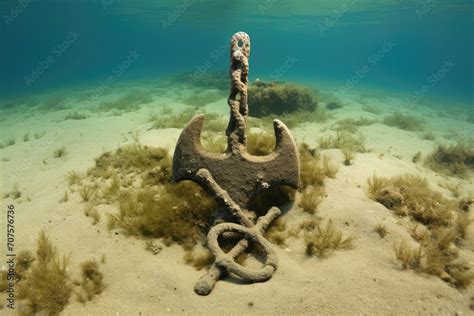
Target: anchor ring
[226, 261]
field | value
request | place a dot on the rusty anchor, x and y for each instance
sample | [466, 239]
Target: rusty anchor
[233, 177]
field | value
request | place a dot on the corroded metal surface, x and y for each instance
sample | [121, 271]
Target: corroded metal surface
[237, 172]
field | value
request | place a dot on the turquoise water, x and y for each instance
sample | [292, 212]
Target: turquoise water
[422, 49]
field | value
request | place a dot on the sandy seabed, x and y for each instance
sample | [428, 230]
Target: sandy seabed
[363, 280]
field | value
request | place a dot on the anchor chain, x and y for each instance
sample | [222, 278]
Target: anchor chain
[237, 101]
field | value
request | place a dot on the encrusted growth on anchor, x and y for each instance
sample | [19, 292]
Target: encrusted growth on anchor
[239, 110]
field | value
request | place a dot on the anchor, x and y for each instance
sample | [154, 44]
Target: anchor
[233, 177]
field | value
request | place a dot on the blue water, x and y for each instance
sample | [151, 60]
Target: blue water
[419, 48]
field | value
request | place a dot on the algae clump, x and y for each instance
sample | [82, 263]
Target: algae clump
[455, 160]
[404, 121]
[91, 283]
[45, 285]
[440, 226]
[137, 180]
[279, 98]
[174, 212]
[324, 239]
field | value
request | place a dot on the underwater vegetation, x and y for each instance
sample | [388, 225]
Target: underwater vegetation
[455, 160]
[93, 213]
[165, 118]
[410, 195]
[216, 123]
[404, 121]
[455, 187]
[372, 109]
[75, 116]
[38, 135]
[86, 192]
[292, 119]
[321, 237]
[314, 168]
[260, 143]
[278, 232]
[439, 225]
[436, 257]
[8, 142]
[348, 154]
[334, 105]
[91, 283]
[355, 142]
[428, 135]
[279, 98]
[154, 164]
[44, 284]
[351, 125]
[15, 193]
[324, 238]
[60, 152]
[53, 102]
[12, 102]
[129, 103]
[311, 197]
[409, 256]
[176, 214]
[416, 157]
[214, 143]
[202, 98]
[137, 180]
[72, 178]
